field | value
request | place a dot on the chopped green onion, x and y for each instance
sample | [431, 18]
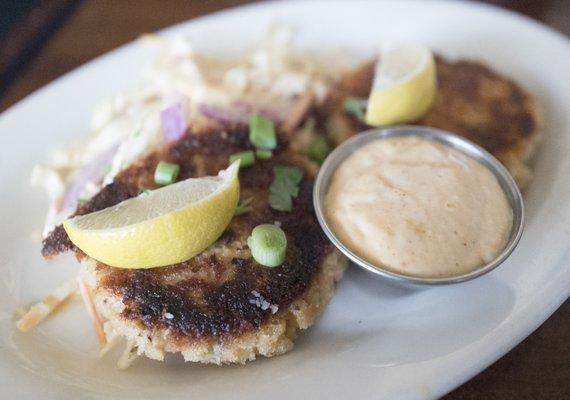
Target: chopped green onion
[319, 149]
[247, 158]
[82, 201]
[263, 154]
[356, 106]
[284, 187]
[143, 190]
[262, 132]
[268, 245]
[244, 207]
[166, 173]
[108, 168]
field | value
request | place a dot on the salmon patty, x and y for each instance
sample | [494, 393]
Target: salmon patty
[221, 306]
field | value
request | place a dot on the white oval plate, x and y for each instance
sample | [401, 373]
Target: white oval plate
[373, 341]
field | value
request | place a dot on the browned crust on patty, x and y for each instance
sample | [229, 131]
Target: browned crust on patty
[211, 294]
[274, 335]
[484, 106]
[221, 302]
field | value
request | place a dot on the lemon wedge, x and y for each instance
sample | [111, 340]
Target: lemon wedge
[166, 226]
[404, 86]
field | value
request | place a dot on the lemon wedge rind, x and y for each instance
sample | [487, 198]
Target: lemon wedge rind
[166, 226]
[404, 87]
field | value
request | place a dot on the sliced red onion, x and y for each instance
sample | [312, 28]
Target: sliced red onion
[91, 172]
[174, 121]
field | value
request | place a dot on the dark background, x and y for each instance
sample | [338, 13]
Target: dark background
[41, 40]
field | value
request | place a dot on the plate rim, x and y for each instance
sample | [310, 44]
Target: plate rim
[525, 327]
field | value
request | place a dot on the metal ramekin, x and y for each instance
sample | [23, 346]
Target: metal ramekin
[458, 143]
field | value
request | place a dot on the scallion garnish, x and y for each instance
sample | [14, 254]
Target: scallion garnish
[262, 132]
[247, 158]
[244, 207]
[268, 245]
[284, 187]
[319, 149]
[263, 154]
[356, 106]
[166, 173]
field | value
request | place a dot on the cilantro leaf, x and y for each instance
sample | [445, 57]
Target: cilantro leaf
[284, 187]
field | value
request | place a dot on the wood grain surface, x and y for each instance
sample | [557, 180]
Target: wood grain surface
[538, 368]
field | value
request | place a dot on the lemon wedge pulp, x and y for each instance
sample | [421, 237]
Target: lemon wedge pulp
[166, 226]
[404, 86]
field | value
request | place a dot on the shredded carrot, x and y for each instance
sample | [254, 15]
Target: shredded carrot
[95, 319]
[38, 312]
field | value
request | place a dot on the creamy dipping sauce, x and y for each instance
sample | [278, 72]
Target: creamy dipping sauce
[418, 208]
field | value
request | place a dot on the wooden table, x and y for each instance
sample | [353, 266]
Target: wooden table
[538, 368]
